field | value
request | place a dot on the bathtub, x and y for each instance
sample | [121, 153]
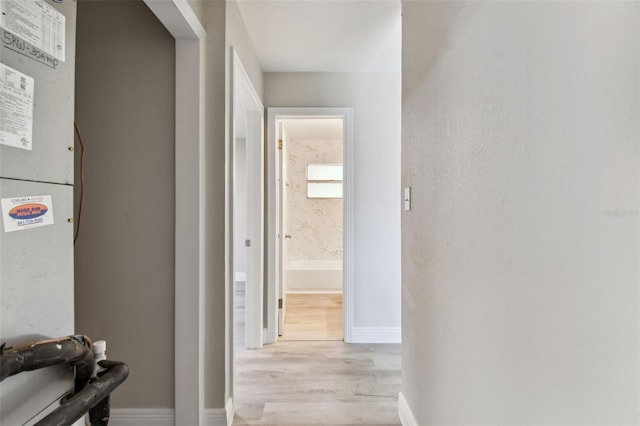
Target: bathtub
[313, 276]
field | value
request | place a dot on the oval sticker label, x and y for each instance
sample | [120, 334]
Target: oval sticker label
[28, 211]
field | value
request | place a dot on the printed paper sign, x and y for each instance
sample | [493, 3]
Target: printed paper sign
[16, 108]
[36, 22]
[26, 212]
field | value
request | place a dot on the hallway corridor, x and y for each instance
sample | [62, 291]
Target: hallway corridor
[318, 383]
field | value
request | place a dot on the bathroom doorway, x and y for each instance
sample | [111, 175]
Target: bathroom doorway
[310, 186]
[309, 273]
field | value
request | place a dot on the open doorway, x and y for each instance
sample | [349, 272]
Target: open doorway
[247, 206]
[310, 199]
[310, 224]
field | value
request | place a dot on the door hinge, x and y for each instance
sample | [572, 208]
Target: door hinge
[247, 243]
[279, 143]
[279, 303]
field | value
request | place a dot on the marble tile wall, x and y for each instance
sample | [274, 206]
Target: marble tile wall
[315, 225]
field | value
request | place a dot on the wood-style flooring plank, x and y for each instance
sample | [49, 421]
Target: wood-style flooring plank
[317, 383]
[313, 317]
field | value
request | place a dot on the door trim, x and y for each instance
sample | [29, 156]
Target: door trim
[190, 36]
[348, 203]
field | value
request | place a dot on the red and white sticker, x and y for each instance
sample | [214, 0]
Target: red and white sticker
[21, 213]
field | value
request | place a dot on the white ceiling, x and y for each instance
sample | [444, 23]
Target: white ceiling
[325, 35]
[313, 128]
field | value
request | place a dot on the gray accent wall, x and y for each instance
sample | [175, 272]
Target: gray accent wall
[215, 364]
[124, 258]
[521, 141]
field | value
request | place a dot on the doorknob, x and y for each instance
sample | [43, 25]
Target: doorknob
[287, 236]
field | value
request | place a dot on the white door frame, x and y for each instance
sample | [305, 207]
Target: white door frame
[241, 86]
[272, 238]
[280, 195]
[183, 24]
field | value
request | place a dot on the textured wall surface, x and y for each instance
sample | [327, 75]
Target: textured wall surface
[520, 255]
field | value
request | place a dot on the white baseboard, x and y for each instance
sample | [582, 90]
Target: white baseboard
[404, 412]
[142, 417]
[214, 417]
[314, 292]
[166, 416]
[219, 416]
[376, 335]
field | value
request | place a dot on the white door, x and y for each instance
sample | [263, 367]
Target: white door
[281, 199]
[255, 219]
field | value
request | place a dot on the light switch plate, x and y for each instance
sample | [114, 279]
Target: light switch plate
[407, 199]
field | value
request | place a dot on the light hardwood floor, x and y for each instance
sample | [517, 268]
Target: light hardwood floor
[314, 382]
[313, 317]
[317, 383]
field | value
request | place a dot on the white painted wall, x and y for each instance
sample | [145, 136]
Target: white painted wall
[375, 98]
[521, 140]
